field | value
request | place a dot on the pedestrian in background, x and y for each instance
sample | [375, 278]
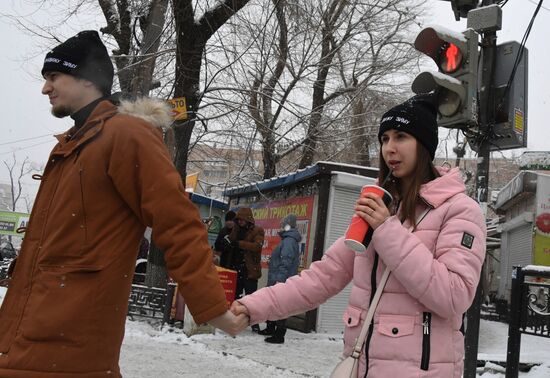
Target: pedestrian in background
[220, 243]
[244, 245]
[284, 262]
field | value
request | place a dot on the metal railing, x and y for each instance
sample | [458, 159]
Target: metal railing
[529, 311]
[151, 302]
[3, 272]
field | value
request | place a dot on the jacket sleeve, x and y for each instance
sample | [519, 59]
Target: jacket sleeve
[306, 291]
[219, 244]
[255, 245]
[444, 281]
[144, 176]
[289, 250]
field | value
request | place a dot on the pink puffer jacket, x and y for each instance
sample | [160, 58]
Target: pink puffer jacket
[435, 272]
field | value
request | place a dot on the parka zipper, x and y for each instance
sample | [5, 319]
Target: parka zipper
[426, 327]
[371, 325]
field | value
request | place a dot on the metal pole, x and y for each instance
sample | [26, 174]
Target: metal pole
[514, 334]
[486, 117]
[170, 290]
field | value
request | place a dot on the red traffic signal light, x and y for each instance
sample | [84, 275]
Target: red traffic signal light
[455, 83]
[450, 59]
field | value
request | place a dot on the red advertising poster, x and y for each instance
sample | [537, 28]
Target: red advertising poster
[228, 278]
[269, 215]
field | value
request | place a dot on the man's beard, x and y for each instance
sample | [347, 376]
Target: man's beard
[61, 111]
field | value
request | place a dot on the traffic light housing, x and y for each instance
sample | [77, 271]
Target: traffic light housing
[455, 84]
[509, 130]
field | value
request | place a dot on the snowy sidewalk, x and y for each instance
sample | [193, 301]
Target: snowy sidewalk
[149, 352]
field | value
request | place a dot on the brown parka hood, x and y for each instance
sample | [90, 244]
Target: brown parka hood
[245, 213]
[154, 111]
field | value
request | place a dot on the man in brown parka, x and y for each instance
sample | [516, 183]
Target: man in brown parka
[107, 178]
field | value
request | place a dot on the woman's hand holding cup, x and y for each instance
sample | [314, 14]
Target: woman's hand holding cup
[371, 210]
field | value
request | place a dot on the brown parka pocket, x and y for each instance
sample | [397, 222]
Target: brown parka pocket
[62, 305]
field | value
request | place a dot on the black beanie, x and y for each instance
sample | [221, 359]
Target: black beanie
[83, 56]
[416, 116]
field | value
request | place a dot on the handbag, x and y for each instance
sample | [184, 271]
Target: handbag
[349, 366]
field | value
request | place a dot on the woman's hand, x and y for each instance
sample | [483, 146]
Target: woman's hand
[372, 209]
[240, 310]
[230, 322]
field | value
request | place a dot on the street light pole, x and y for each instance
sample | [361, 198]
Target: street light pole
[486, 121]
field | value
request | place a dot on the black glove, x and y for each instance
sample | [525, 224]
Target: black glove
[235, 244]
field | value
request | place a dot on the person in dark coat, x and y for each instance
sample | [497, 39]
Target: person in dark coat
[283, 264]
[244, 249]
[221, 243]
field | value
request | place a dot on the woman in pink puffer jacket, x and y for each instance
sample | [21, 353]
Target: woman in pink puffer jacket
[435, 268]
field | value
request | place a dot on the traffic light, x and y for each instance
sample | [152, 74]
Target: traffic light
[456, 56]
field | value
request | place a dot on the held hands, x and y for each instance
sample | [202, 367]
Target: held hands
[372, 209]
[240, 310]
[230, 322]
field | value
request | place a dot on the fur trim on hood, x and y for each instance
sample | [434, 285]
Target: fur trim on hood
[154, 111]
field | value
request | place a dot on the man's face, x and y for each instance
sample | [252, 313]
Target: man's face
[241, 223]
[67, 93]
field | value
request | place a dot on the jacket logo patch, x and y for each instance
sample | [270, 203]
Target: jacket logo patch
[467, 240]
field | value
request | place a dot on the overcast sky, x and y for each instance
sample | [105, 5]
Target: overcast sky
[25, 111]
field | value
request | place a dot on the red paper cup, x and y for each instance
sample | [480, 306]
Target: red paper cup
[359, 232]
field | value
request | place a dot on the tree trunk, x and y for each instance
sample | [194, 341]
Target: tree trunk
[191, 38]
[360, 139]
[268, 156]
[156, 275]
[119, 22]
[156, 267]
[318, 101]
[143, 73]
[190, 45]
[140, 85]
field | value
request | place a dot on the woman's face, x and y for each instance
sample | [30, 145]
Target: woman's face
[399, 152]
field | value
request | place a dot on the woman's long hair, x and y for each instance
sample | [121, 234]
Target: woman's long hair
[424, 171]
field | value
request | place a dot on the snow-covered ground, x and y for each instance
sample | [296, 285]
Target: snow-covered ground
[149, 351]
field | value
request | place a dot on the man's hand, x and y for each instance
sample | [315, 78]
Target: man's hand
[230, 323]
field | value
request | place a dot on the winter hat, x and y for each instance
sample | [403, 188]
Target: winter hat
[290, 219]
[416, 116]
[245, 213]
[230, 215]
[83, 56]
